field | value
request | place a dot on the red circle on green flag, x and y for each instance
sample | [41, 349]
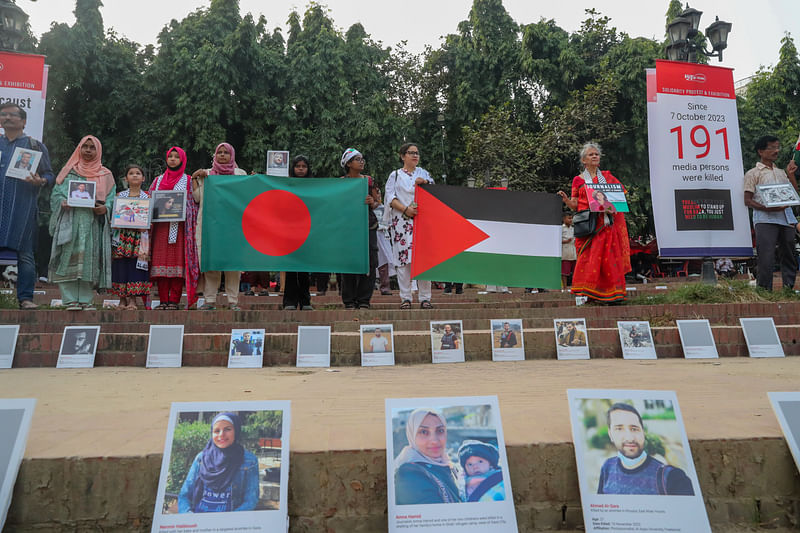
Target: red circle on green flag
[276, 222]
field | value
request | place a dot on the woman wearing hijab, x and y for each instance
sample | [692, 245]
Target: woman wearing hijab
[423, 470]
[357, 289]
[173, 256]
[399, 211]
[223, 164]
[224, 476]
[296, 294]
[81, 251]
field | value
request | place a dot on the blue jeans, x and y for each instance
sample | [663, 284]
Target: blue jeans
[26, 272]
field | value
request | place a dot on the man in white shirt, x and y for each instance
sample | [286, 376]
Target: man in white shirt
[378, 343]
[774, 226]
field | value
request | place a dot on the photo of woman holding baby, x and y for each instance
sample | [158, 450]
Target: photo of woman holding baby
[424, 472]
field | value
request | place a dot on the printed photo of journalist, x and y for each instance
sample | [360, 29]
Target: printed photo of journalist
[247, 342]
[224, 462]
[79, 341]
[633, 447]
[446, 335]
[446, 455]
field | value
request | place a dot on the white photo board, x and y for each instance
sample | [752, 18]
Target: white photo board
[313, 346]
[78, 347]
[15, 419]
[507, 341]
[8, 344]
[761, 337]
[165, 346]
[572, 340]
[246, 348]
[696, 339]
[447, 341]
[254, 496]
[377, 344]
[447, 466]
[624, 477]
[636, 340]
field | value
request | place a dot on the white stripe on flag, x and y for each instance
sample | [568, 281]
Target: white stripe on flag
[512, 238]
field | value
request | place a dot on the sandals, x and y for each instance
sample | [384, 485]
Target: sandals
[406, 304]
[426, 304]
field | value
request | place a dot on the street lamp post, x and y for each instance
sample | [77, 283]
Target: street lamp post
[440, 120]
[12, 25]
[682, 31]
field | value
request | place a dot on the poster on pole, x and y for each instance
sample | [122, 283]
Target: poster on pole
[696, 162]
[447, 466]
[635, 468]
[23, 81]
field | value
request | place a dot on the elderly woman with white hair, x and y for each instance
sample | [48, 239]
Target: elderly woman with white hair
[423, 470]
[357, 289]
[604, 255]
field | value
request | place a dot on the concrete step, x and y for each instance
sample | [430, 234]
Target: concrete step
[97, 431]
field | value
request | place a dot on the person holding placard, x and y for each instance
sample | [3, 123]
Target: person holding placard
[357, 289]
[173, 256]
[296, 293]
[130, 251]
[604, 256]
[423, 470]
[224, 476]
[18, 199]
[223, 164]
[81, 253]
[632, 470]
[399, 212]
[774, 226]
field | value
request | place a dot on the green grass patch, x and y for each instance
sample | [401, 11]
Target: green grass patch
[723, 292]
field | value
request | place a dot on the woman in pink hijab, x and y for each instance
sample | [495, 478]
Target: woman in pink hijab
[173, 255]
[224, 164]
[81, 254]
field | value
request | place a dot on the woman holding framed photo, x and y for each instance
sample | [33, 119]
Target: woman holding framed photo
[603, 256]
[81, 253]
[173, 257]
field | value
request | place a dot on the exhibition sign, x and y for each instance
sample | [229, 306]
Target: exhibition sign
[696, 162]
[23, 81]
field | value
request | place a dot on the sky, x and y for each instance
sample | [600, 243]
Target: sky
[758, 26]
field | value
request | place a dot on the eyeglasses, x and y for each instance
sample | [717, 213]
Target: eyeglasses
[359, 159]
[4, 114]
[412, 154]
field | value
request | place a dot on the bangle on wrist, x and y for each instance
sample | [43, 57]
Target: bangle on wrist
[404, 210]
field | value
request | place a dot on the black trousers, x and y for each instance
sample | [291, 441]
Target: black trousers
[768, 237]
[295, 292]
[357, 289]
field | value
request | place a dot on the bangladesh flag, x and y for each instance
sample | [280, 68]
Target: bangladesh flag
[270, 223]
[487, 236]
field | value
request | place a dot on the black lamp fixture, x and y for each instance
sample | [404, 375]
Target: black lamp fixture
[682, 31]
[12, 24]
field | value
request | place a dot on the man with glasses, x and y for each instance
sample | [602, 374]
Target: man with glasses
[18, 199]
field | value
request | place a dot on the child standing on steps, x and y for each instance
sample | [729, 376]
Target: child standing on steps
[130, 251]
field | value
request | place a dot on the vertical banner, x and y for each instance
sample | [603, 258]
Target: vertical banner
[696, 175]
[23, 81]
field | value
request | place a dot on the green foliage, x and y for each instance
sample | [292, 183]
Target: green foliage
[723, 292]
[262, 424]
[653, 444]
[189, 439]
[517, 100]
[600, 439]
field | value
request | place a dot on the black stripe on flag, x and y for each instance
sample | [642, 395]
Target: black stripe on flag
[523, 207]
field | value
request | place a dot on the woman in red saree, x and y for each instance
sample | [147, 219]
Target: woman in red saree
[603, 258]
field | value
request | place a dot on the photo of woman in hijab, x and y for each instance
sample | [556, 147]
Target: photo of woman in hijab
[168, 206]
[224, 476]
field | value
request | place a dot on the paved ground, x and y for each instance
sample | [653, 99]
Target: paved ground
[123, 411]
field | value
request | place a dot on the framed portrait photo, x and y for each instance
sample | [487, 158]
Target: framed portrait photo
[246, 348]
[507, 341]
[571, 338]
[634, 462]
[778, 195]
[131, 213]
[78, 347]
[377, 345]
[15, 419]
[248, 493]
[447, 466]
[81, 193]
[447, 341]
[24, 162]
[278, 163]
[168, 206]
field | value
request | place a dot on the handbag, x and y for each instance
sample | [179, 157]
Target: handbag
[585, 223]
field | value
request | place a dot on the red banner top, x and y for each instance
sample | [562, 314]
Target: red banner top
[691, 79]
[21, 71]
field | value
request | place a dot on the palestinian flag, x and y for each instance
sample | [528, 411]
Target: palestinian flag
[487, 236]
[268, 223]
